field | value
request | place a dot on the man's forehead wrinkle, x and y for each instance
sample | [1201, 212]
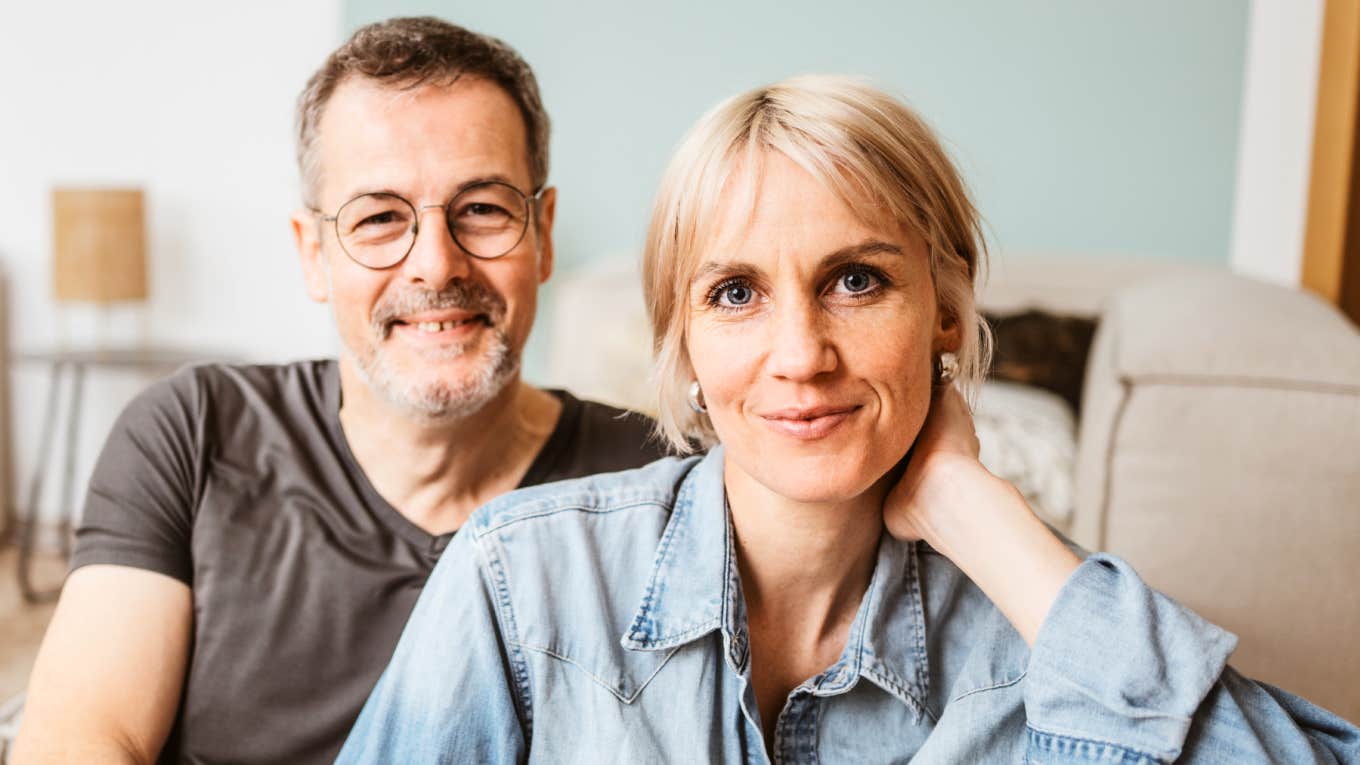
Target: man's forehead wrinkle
[392, 142]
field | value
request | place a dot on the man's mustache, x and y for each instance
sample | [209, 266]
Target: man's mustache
[472, 297]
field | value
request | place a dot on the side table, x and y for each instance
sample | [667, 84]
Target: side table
[75, 365]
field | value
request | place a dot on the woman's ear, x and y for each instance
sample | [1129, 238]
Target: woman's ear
[948, 335]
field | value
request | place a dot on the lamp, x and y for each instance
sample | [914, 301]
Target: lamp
[99, 245]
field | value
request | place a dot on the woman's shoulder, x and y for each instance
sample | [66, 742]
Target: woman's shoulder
[581, 500]
[569, 563]
[566, 547]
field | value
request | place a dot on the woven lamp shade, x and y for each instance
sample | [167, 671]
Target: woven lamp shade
[99, 245]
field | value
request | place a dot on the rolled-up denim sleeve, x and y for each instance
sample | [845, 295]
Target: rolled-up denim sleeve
[448, 694]
[1122, 673]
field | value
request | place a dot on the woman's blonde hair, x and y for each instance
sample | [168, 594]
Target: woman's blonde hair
[873, 152]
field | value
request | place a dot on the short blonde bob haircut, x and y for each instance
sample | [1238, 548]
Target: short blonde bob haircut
[871, 150]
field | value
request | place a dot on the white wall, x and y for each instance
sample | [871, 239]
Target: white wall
[1275, 150]
[193, 103]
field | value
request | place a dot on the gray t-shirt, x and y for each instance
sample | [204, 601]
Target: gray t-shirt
[238, 481]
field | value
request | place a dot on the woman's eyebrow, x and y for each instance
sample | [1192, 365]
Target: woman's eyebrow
[726, 269]
[856, 251]
[847, 254]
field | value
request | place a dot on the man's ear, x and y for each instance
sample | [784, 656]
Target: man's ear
[547, 208]
[307, 237]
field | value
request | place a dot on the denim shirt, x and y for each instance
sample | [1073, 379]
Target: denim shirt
[602, 620]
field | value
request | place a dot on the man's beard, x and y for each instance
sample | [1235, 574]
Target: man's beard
[440, 400]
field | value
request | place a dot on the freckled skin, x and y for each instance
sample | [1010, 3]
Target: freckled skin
[809, 334]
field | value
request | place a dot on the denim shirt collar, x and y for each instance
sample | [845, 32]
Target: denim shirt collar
[695, 588]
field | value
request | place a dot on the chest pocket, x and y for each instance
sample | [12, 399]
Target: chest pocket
[624, 675]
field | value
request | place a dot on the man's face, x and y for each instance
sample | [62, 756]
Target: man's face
[439, 334]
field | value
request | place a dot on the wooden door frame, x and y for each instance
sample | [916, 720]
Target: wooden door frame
[1331, 252]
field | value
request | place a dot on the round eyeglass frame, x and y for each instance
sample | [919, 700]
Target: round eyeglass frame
[530, 202]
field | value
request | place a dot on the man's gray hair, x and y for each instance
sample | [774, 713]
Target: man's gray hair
[407, 53]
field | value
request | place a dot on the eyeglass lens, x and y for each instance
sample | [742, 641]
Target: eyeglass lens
[487, 220]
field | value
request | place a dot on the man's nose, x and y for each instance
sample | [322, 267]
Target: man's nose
[800, 347]
[435, 258]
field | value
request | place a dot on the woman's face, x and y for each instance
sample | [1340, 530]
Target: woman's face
[812, 336]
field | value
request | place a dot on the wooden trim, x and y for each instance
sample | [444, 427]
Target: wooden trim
[1331, 251]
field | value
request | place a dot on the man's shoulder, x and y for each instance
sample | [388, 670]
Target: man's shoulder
[202, 389]
[245, 379]
[653, 486]
[608, 417]
[210, 406]
[594, 437]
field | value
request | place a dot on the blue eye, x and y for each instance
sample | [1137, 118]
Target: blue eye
[736, 294]
[857, 282]
[731, 294]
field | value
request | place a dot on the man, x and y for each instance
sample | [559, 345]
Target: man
[255, 537]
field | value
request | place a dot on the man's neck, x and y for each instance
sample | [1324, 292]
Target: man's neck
[435, 473]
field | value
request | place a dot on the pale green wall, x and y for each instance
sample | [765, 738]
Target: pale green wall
[1087, 126]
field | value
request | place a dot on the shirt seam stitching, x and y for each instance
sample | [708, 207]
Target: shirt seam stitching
[505, 613]
[1127, 750]
[992, 687]
[577, 507]
[629, 699]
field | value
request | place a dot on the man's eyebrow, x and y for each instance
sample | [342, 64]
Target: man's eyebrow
[492, 178]
[847, 254]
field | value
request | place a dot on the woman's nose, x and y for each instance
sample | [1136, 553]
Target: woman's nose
[435, 258]
[800, 345]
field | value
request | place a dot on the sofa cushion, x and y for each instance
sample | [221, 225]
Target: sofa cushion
[1232, 329]
[1044, 350]
[1219, 434]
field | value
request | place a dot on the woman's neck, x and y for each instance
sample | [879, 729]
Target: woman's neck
[799, 558]
[804, 570]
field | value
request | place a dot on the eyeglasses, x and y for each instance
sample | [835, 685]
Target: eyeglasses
[487, 220]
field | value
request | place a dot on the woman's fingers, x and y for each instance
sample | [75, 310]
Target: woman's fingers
[949, 425]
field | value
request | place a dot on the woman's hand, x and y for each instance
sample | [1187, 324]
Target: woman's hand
[981, 523]
[944, 459]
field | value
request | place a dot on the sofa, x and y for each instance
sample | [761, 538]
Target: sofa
[1217, 446]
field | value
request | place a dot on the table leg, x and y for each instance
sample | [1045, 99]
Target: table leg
[67, 508]
[28, 526]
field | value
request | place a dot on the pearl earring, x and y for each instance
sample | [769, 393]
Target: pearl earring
[696, 398]
[946, 368]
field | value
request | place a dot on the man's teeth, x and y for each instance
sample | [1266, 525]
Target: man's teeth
[439, 326]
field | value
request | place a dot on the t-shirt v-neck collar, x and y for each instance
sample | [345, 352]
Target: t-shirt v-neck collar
[551, 452]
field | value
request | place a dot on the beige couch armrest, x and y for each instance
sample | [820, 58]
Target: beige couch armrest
[1219, 453]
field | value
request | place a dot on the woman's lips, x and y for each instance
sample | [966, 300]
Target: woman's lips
[808, 424]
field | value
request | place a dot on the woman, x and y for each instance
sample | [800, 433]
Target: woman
[809, 273]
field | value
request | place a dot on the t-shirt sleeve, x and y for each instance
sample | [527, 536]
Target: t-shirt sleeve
[140, 505]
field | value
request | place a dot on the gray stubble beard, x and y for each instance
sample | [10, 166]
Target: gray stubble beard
[439, 402]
